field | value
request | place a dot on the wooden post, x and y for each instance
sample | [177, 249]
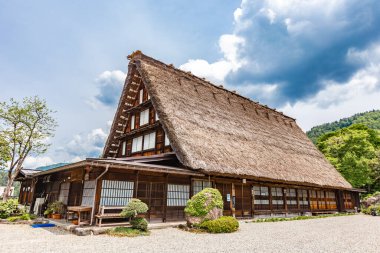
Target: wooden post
[191, 187]
[308, 199]
[136, 184]
[285, 198]
[233, 200]
[298, 199]
[270, 199]
[165, 197]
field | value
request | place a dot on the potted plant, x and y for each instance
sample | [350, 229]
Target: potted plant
[57, 208]
[48, 212]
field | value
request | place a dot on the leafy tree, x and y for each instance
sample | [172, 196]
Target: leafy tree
[355, 152]
[370, 119]
[24, 130]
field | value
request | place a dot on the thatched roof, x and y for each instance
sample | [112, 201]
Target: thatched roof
[217, 131]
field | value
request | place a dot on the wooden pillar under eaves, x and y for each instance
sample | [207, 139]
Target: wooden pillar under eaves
[165, 197]
[233, 200]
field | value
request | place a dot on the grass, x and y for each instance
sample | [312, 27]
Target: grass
[126, 231]
[25, 216]
[276, 219]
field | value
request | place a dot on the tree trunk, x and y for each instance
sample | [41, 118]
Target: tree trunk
[9, 186]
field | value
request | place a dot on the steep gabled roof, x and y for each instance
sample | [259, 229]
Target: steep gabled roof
[220, 132]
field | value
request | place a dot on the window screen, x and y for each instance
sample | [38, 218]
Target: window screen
[144, 117]
[178, 194]
[116, 193]
[277, 198]
[141, 96]
[150, 141]
[261, 194]
[167, 142]
[64, 193]
[302, 198]
[137, 144]
[124, 145]
[88, 193]
[330, 200]
[199, 185]
[132, 122]
[291, 199]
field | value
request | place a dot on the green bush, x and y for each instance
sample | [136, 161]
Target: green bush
[10, 208]
[125, 231]
[199, 205]
[139, 223]
[133, 208]
[25, 216]
[224, 224]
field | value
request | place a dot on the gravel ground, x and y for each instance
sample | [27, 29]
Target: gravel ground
[357, 233]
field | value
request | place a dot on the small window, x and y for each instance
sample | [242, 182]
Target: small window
[137, 144]
[156, 117]
[144, 117]
[141, 96]
[199, 185]
[132, 122]
[177, 195]
[150, 141]
[123, 148]
[167, 142]
[148, 96]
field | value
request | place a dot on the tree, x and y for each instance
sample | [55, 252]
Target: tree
[355, 152]
[24, 130]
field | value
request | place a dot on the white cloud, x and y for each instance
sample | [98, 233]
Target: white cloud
[217, 71]
[32, 162]
[83, 145]
[110, 85]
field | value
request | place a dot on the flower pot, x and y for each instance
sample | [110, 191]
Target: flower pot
[75, 222]
[56, 216]
[49, 216]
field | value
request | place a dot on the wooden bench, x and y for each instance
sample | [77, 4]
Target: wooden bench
[110, 212]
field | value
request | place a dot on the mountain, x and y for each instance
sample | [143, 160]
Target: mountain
[370, 119]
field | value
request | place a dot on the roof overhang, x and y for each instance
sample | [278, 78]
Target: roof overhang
[121, 164]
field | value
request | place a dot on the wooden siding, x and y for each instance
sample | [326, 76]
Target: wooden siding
[166, 194]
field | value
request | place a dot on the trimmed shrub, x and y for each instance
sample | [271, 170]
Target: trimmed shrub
[134, 208]
[10, 208]
[139, 223]
[224, 224]
[203, 202]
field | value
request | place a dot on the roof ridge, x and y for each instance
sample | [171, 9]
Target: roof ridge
[138, 55]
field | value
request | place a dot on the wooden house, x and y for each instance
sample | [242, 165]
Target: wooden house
[174, 134]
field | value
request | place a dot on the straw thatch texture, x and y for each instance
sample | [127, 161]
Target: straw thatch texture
[219, 132]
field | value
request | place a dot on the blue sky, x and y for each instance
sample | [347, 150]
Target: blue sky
[317, 61]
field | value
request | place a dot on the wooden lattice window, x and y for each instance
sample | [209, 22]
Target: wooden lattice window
[347, 200]
[321, 200]
[291, 199]
[178, 194]
[199, 185]
[88, 193]
[64, 193]
[313, 199]
[116, 193]
[330, 200]
[277, 198]
[261, 195]
[302, 198]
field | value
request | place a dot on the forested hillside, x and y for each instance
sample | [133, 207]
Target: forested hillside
[370, 119]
